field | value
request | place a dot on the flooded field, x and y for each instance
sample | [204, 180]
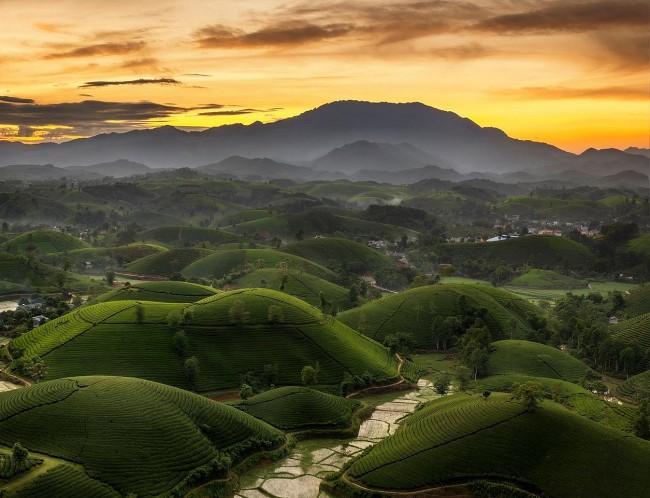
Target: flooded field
[299, 475]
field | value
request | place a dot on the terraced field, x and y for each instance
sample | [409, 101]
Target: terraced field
[191, 235]
[325, 250]
[44, 241]
[637, 302]
[635, 330]
[459, 438]
[163, 292]
[220, 263]
[105, 339]
[121, 431]
[299, 408]
[166, 263]
[535, 360]
[304, 286]
[413, 311]
[636, 386]
[546, 279]
[540, 251]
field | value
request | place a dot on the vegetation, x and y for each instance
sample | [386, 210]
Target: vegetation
[164, 292]
[42, 242]
[184, 236]
[546, 279]
[167, 262]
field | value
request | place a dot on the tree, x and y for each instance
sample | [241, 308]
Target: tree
[238, 313]
[402, 342]
[462, 375]
[139, 313]
[180, 343]
[642, 419]
[174, 319]
[322, 302]
[270, 374]
[441, 383]
[276, 314]
[260, 263]
[353, 295]
[486, 394]
[263, 283]
[309, 375]
[19, 453]
[110, 277]
[188, 313]
[530, 393]
[245, 391]
[628, 359]
[36, 368]
[191, 367]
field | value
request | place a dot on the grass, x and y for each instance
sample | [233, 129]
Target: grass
[44, 241]
[220, 263]
[535, 360]
[299, 408]
[323, 251]
[413, 311]
[188, 235]
[168, 262]
[536, 250]
[164, 292]
[534, 294]
[105, 339]
[458, 439]
[304, 286]
[65, 480]
[122, 431]
[546, 279]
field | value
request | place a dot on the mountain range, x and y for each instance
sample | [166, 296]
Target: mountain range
[345, 138]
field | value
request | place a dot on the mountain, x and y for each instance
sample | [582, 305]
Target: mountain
[638, 151]
[457, 142]
[601, 162]
[625, 178]
[42, 172]
[116, 169]
[409, 175]
[243, 167]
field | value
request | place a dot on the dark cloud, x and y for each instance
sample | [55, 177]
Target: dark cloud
[239, 112]
[141, 81]
[599, 93]
[630, 50]
[198, 75]
[560, 16]
[144, 62]
[101, 49]
[15, 100]
[288, 33]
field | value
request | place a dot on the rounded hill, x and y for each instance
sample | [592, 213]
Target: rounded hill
[43, 242]
[163, 292]
[221, 263]
[536, 360]
[230, 334]
[325, 250]
[458, 439]
[541, 251]
[638, 301]
[634, 331]
[636, 386]
[117, 433]
[168, 262]
[103, 256]
[33, 275]
[546, 279]
[414, 311]
[181, 235]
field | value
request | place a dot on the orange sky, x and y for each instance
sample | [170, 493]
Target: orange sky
[572, 73]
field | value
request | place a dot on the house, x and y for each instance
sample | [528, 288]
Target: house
[88, 265]
[39, 320]
[613, 320]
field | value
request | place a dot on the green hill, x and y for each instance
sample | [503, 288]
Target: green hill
[636, 385]
[103, 256]
[106, 339]
[637, 302]
[634, 331]
[414, 310]
[35, 275]
[539, 251]
[162, 292]
[168, 262]
[458, 439]
[325, 250]
[304, 286]
[220, 263]
[181, 235]
[301, 409]
[536, 360]
[546, 279]
[114, 435]
[43, 242]
[640, 244]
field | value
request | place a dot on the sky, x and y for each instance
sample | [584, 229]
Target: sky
[572, 73]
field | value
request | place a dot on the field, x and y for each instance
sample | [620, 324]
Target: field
[413, 311]
[105, 339]
[163, 292]
[459, 438]
[323, 251]
[304, 286]
[553, 207]
[546, 279]
[180, 235]
[636, 386]
[98, 422]
[534, 359]
[220, 263]
[536, 250]
[168, 262]
[300, 408]
[43, 241]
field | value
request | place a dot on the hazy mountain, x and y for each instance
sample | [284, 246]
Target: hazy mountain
[32, 172]
[457, 142]
[243, 167]
[625, 178]
[602, 162]
[409, 176]
[638, 151]
[116, 169]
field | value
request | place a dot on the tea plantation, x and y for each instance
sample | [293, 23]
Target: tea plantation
[547, 279]
[461, 438]
[163, 292]
[43, 242]
[129, 435]
[636, 386]
[166, 263]
[414, 310]
[188, 235]
[635, 330]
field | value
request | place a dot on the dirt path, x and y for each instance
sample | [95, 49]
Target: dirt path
[401, 381]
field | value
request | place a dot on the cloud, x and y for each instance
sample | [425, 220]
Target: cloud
[287, 33]
[141, 81]
[197, 75]
[15, 100]
[239, 112]
[101, 49]
[561, 16]
[144, 62]
[599, 93]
